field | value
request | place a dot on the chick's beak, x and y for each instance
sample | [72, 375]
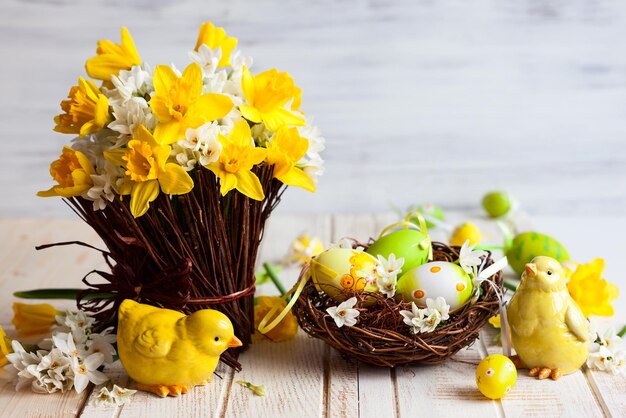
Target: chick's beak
[234, 342]
[530, 269]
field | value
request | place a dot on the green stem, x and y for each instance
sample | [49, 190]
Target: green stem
[622, 332]
[274, 278]
[58, 294]
[509, 285]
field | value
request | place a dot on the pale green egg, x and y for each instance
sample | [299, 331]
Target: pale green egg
[410, 244]
[434, 279]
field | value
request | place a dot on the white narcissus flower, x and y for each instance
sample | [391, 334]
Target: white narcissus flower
[65, 343]
[128, 83]
[414, 318]
[206, 58]
[470, 259]
[102, 343]
[389, 267]
[103, 398]
[204, 140]
[606, 352]
[131, 114]
[344, 314]
[55, 372]
[387, 285]
[85, 371]
[121, 395]
[103, 190]
[439, 304]
[25, 363]
[427, 319]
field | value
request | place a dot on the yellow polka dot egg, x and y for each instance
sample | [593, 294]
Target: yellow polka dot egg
[434, 279]
[496, 376]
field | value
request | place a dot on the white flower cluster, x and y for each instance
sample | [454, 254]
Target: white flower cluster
[69, 359]
[115, 396]
[387, 271]
[129, 100]
[607, 352]
[426, 319]
[344, 314]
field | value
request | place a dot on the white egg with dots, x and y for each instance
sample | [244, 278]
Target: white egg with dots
[434, 279]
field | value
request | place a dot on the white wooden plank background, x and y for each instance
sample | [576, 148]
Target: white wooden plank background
[419, 100]
[304, 377]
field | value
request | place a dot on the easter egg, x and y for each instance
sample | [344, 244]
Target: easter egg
[410, 244]
[340, 271]
[433, 214]
[496, 376]
[464, 232]
[529, 245]
[434, 279]
[496, 204]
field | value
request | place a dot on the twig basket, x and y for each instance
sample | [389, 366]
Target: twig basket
[381, 337]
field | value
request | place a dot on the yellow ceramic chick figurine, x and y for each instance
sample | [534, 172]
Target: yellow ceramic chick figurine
[167, 352]
[548, 329]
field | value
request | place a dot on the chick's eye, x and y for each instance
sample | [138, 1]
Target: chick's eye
[217, 338]
[549, 272]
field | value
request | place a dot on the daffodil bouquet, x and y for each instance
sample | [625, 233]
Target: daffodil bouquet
[178, 171]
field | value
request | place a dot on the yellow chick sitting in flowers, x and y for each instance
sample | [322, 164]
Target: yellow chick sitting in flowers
[167, 352]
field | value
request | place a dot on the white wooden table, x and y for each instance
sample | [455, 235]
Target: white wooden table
[304, 377]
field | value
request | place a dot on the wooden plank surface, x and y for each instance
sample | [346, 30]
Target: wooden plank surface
[303, 377]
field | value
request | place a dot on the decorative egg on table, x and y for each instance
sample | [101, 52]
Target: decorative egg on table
[528, 245]
[340, 271]
[434, 279]
[410, 244]
[496, 376]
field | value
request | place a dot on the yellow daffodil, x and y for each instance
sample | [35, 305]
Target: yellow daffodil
[215, 38]
[148, 171]
[267, 94]
[236, 160]
[86, 111]
[111, 58]
[464, 232]
[33, 319]
[178, 103]
[285, 330]
[72, 171]
[284, 152]
[591, 291]
[304, 248]
[495, 321]
[5, 347]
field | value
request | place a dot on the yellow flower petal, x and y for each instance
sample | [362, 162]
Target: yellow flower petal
[297, 178]
[33, 319]
[142, 194]
[248, 184]
[164, 78]
[5, 347]
[213, 106]
[285, 330]
[215, 38]
[250, 113]
[175, 180]
[85, 112]
[72, 171]
[111, 58]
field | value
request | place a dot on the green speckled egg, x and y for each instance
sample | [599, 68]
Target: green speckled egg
[405, 243]
[529, 245]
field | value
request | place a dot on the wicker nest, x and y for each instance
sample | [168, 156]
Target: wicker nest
[381, 337]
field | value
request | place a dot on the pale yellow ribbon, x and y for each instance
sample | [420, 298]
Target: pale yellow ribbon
[406, 224]
[294, 292]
